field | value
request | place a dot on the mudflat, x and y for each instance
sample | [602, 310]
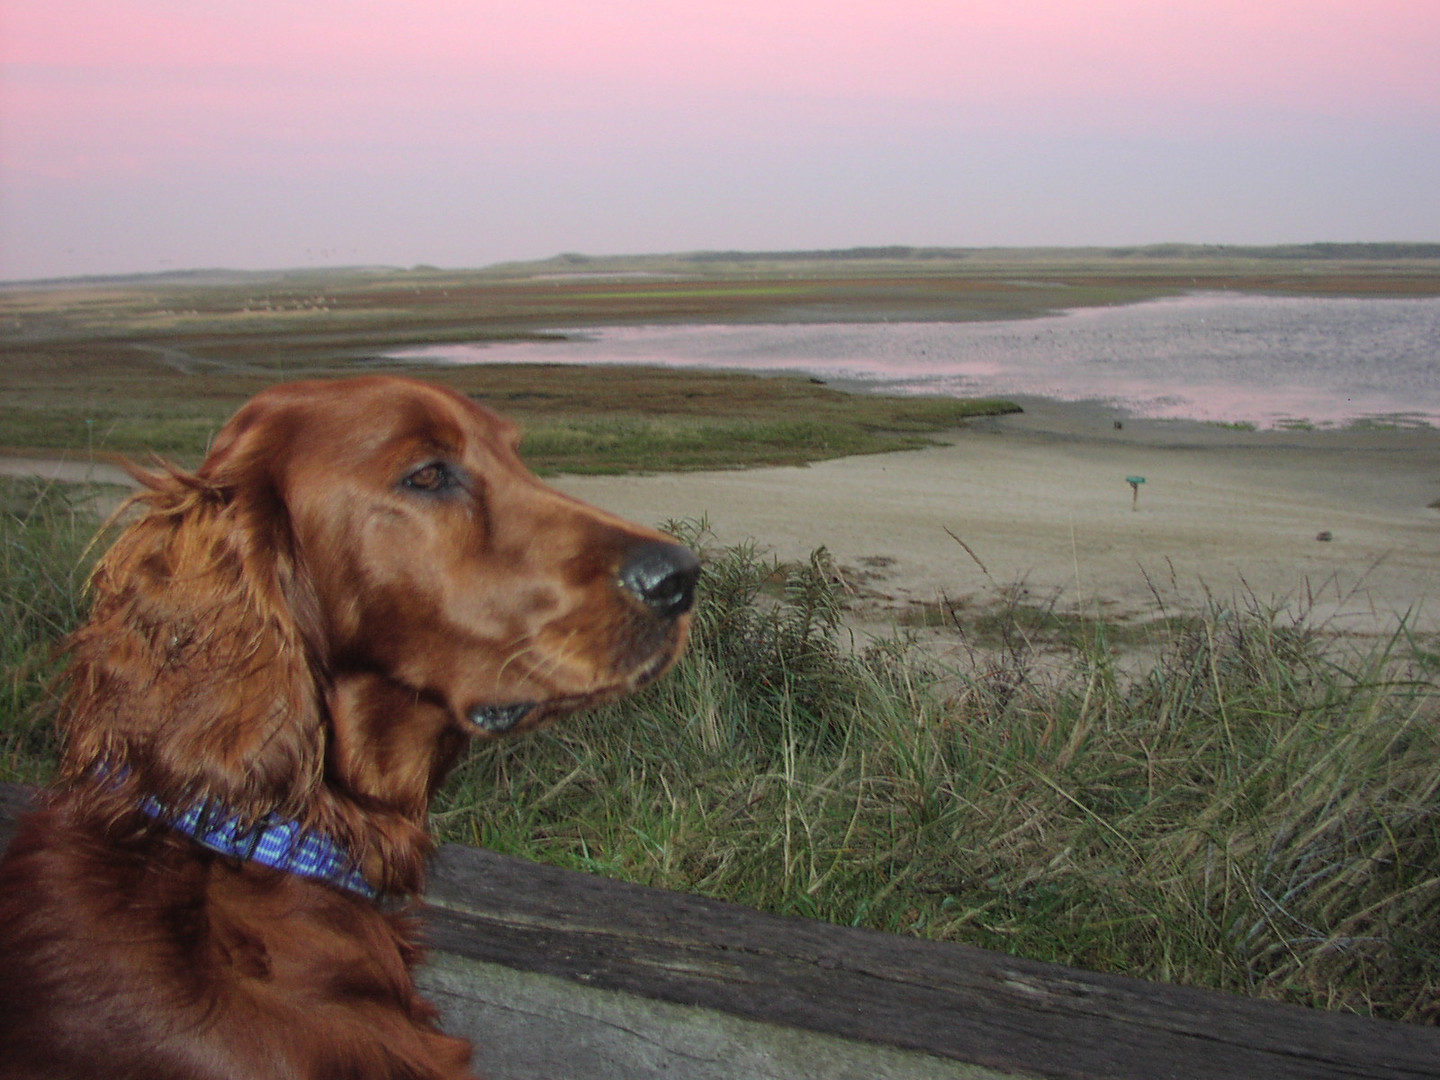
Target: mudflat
[1339, 523]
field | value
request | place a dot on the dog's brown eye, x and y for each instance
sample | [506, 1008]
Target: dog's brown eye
[434, 477]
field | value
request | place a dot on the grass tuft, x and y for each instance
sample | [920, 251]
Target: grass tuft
[45, 533]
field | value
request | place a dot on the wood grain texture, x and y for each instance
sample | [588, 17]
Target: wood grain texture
[947, 1000]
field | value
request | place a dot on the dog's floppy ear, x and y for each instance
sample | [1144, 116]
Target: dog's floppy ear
[195, 676]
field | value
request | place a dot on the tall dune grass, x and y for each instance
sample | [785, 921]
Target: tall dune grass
[45, 534]
[1253, 812]
[1257, 810]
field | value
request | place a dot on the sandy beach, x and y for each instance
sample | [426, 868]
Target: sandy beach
[1041, 500]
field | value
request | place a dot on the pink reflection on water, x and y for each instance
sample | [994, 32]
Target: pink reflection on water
[1266, 361]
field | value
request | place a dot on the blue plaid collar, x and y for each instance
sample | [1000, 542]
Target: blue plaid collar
[271, 841]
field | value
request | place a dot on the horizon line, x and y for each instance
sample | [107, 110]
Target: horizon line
[1313, 250]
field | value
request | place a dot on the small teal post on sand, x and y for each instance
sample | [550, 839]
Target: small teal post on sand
[1135, 482]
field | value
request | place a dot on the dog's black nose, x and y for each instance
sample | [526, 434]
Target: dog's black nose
[662, 577]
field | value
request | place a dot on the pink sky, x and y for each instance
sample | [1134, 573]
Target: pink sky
[157, 134]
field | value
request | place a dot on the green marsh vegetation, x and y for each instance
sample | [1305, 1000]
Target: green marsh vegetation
[1257, 810]
[576, 420]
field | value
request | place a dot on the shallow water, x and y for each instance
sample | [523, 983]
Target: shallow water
[1267, 361]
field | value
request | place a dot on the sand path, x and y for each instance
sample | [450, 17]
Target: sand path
[1041, 498]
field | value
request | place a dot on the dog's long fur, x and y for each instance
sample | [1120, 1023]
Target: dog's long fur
[359, 578]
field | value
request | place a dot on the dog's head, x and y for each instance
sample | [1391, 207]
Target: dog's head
[432, 558]
[360, 575]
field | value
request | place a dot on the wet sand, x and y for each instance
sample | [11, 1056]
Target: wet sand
[1041, 500]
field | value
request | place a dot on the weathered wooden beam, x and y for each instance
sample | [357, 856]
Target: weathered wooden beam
[949, 1001]
[940, 1002]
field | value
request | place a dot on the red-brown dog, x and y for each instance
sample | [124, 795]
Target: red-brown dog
[286, 652]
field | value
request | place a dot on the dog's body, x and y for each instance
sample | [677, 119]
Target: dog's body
[285, 653]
